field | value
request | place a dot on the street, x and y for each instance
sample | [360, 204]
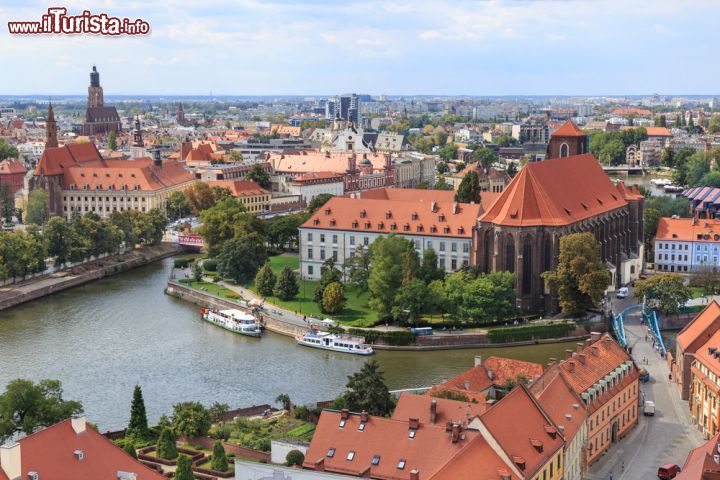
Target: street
[666, 437]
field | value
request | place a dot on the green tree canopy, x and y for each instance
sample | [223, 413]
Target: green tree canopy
[26, 406]
[333, 300]
[177, 205]
[259, 176]
[485, 156]
[37, 207]
[184, 468]
[429, 269]
[294, 458]
[469, 189]
[286, 285]
[387, 271]
[357, 268]
[219, 223]
[138, 425]
[666, 291]
[219, 461]
[318, 201]
[167, 444]
[366, 391]
[581, 276]
[265, 280]
[241, 258]
[412, 299]
[328, 274]
[191, 419]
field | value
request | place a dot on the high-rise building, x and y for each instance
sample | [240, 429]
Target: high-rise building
[346, 107]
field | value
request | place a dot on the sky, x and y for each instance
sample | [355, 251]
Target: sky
[394, 47]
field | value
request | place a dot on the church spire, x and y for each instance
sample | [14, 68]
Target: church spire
[51, 139]
[137, 150]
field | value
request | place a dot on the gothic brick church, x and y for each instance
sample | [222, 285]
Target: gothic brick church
[99, 119]
[567, 193]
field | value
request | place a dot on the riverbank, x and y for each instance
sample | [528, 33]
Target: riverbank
[45, 285]
[292, 325]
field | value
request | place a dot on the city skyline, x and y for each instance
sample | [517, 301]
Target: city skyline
[482, 48]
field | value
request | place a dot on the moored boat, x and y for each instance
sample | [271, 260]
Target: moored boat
[233, 320]
[660, 182]
[336, 342]
[672, 188]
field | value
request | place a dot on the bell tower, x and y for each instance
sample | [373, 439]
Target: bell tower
[51, 139]
[95, 91]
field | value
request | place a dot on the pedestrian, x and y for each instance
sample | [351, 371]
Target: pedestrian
[622, 468]
[670, 376]
[610, 477]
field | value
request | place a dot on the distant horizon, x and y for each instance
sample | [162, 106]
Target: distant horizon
[461, 47]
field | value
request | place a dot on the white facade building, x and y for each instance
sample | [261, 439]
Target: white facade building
[684, 245]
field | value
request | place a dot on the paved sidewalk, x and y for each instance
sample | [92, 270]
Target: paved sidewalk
[666, 437]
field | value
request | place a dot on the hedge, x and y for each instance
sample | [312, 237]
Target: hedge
[530, 332]
[395, 338]
[182, 262]
[210, 265]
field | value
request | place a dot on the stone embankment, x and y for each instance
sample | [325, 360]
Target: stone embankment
[42, 286]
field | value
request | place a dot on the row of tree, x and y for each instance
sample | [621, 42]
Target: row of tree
[609, 147]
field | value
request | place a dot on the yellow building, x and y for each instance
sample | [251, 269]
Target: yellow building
[705, 388]
[255, 198]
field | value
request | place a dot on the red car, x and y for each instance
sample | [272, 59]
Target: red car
[668, 471]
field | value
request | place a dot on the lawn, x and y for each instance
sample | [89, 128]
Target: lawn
[697, 292]
[214, 289]
[357, 313]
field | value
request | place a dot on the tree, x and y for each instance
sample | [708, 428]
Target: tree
[177, 205]
[284, 400]
[442, 167]
[219, 462]
[7, 150]
[294, 458]
[581, 276]
[236, 156]
[219, 223]
[37, 207]
[318, 201]
[112, 141]
[241, 258]
[386, 272]
[469, 189]
[191, 419]
[58, 238]
[328, 274]
[26, 406]
[286, 285]
[258, 175]
[357, 268]
[129, 448]
[411, 300]
[429, 270]
[200, 197]
[183, 470]
[706, 277]
[284, 230]
[166, 445]
[7, 202]
[333, 300]
[265, 280]
[612, 153]
[138, 425]
[484, 156]
[367, 391]
[218, 411]
[511, 169]
[666, 291]
[197, 271]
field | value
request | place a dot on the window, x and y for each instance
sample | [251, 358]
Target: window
[411, 433]
[401, 464]
[334, 238]
[453, 264]
[442, 263]
[366, 241]
[342, 423]
[376, 459]
[335, 255]
[350, 455]
[310, 253]
[322, 254]
[466, 248]
[453, 247]
[310, 269]
[352, 240]
[322, 238]
[442, 246]
[331, 453]
[417, 244]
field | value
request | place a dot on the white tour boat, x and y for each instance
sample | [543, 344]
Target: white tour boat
[660, 182]
[233, 320]
[334, 342]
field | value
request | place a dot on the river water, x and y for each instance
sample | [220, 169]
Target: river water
[102, 338]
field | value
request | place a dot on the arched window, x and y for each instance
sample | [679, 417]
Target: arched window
[510, 254]
[547, 255]
[564, 150]
[488, 251]
[527, 267]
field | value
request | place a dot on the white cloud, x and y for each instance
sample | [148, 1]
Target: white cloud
[368, 42]
[430, 35]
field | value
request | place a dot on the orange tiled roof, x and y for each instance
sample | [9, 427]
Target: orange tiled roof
[555, 192]
[137, 174]
[523, 430]
[600, 358]
[395, 216]
[478, 461]
[472, 383]
[50, 453]
[563, 406]
[55, 160]
[419, 406]
[700, 462]
[569, 129]
[311, 176]
[12, 166]
[631, 111]
[240, 188]
[503, 369]
[706, 356]
[699, 327]
[682, 229]
[658, 132]
[315, 161]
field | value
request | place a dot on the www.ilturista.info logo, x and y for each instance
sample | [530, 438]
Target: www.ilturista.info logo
[57, 21]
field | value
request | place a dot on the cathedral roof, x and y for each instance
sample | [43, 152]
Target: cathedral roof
[555, 192]
[55, 160]
[101, 114]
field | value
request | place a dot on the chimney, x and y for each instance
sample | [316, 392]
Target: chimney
[467, 384]
[455, 208]
[364, 416]
[581, 358]
[448, 426]
[10, 460]
[414, 424]
[320, 465]
[78, 423]
[595, 336]
[568, 354]
[594, 349]
[552, 361]
[455, 432]
[433, 411]
[571, 366]
[478, 360]
[344, 413]
[579, 346]
[414, 475]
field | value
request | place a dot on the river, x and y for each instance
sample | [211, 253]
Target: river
[102, 338]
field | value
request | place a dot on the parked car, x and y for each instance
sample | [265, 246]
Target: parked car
[668, 471]
[649, 408]
[622, 292]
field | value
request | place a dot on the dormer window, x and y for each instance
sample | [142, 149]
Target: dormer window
[412, 432]
[381, 225]
[363, 214]
[355, 224]
[376, 459]
[342, 423]
[441, 217]
[461, 230]
[361, 427]
[327, 211]
[401, 464]
[419, 228]
[367, 225]
[393, 226]
[316, 221]
[332, 222]
[331, 452]
[446, 230]
[433, 229]
[414, 216]
[406, 227]
[350, 456]
[388, 215]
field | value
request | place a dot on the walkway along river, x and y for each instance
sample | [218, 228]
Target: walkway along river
[102, 338]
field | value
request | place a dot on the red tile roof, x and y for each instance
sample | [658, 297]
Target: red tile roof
[557, 399]
[682, 229]
[11, 166]
[555, 192]
[240, 188]
[140, 174]
[569, 129]
[315, 177]
[523, 430]
[700, 328]
[306, 161]
[476, 462]
[704, 355]
[55, 160]
[503, 369]
[631, 111]
[473, 383]
[700, 464]
[600, 358]
[658, 132]
[419, 406]
[50, 453]
[396, 216]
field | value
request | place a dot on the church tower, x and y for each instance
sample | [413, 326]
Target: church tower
[180, 115]
[566, 141]
[51, 139]
[95, 91]
[137, 150]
